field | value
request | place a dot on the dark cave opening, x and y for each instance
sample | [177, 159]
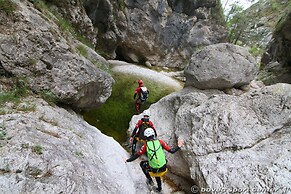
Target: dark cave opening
[120, 54]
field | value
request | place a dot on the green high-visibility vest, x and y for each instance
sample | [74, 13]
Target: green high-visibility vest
[156, 155]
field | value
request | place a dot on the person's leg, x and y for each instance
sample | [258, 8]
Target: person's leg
[159, 183]
[133, 145]
[145, 168]
[137, 106]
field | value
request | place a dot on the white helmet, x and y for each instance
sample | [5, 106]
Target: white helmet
[149, 132]
[146, 113]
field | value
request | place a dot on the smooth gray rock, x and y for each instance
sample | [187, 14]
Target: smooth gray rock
[220, 66]
[48, 149]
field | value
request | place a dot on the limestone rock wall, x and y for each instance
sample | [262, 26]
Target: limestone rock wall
[47, 149]
[162, 33]
[277, 58]
[33, 46]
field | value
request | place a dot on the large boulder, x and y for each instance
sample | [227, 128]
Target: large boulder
[32, 46]
[231, 142]
[238, 142]
[220, 66]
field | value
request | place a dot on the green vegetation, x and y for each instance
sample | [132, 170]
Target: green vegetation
[244, 28]
[283, 20]
[34, 171]
[63, 23]
[217, 14]
[83, 51]
[274, 11]
[276, 6]
[25, 145]
[266, 76]
[121, 4]
[2, 134]
[39, 5]
[113, 117]
[8, 7]
[6, 169]
[79, 154]
[236, 23]
[256, 50]
[49, 97]
[18, 91]
[37, 149]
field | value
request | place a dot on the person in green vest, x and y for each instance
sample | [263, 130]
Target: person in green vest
[156, 163]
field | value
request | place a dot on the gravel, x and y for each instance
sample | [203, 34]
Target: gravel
[145, 73]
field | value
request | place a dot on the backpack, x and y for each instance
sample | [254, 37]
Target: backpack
[145, 124]
[156, 155]
[144, 94]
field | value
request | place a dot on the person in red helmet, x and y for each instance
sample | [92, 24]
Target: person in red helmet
[142, 92]
[137, 134]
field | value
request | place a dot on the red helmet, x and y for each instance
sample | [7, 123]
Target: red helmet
[139, 81]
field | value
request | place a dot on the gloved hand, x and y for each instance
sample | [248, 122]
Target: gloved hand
[180, 142]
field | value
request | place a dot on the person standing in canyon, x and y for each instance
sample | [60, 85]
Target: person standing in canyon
[156, 165]
[142, 92]
[137, 134]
